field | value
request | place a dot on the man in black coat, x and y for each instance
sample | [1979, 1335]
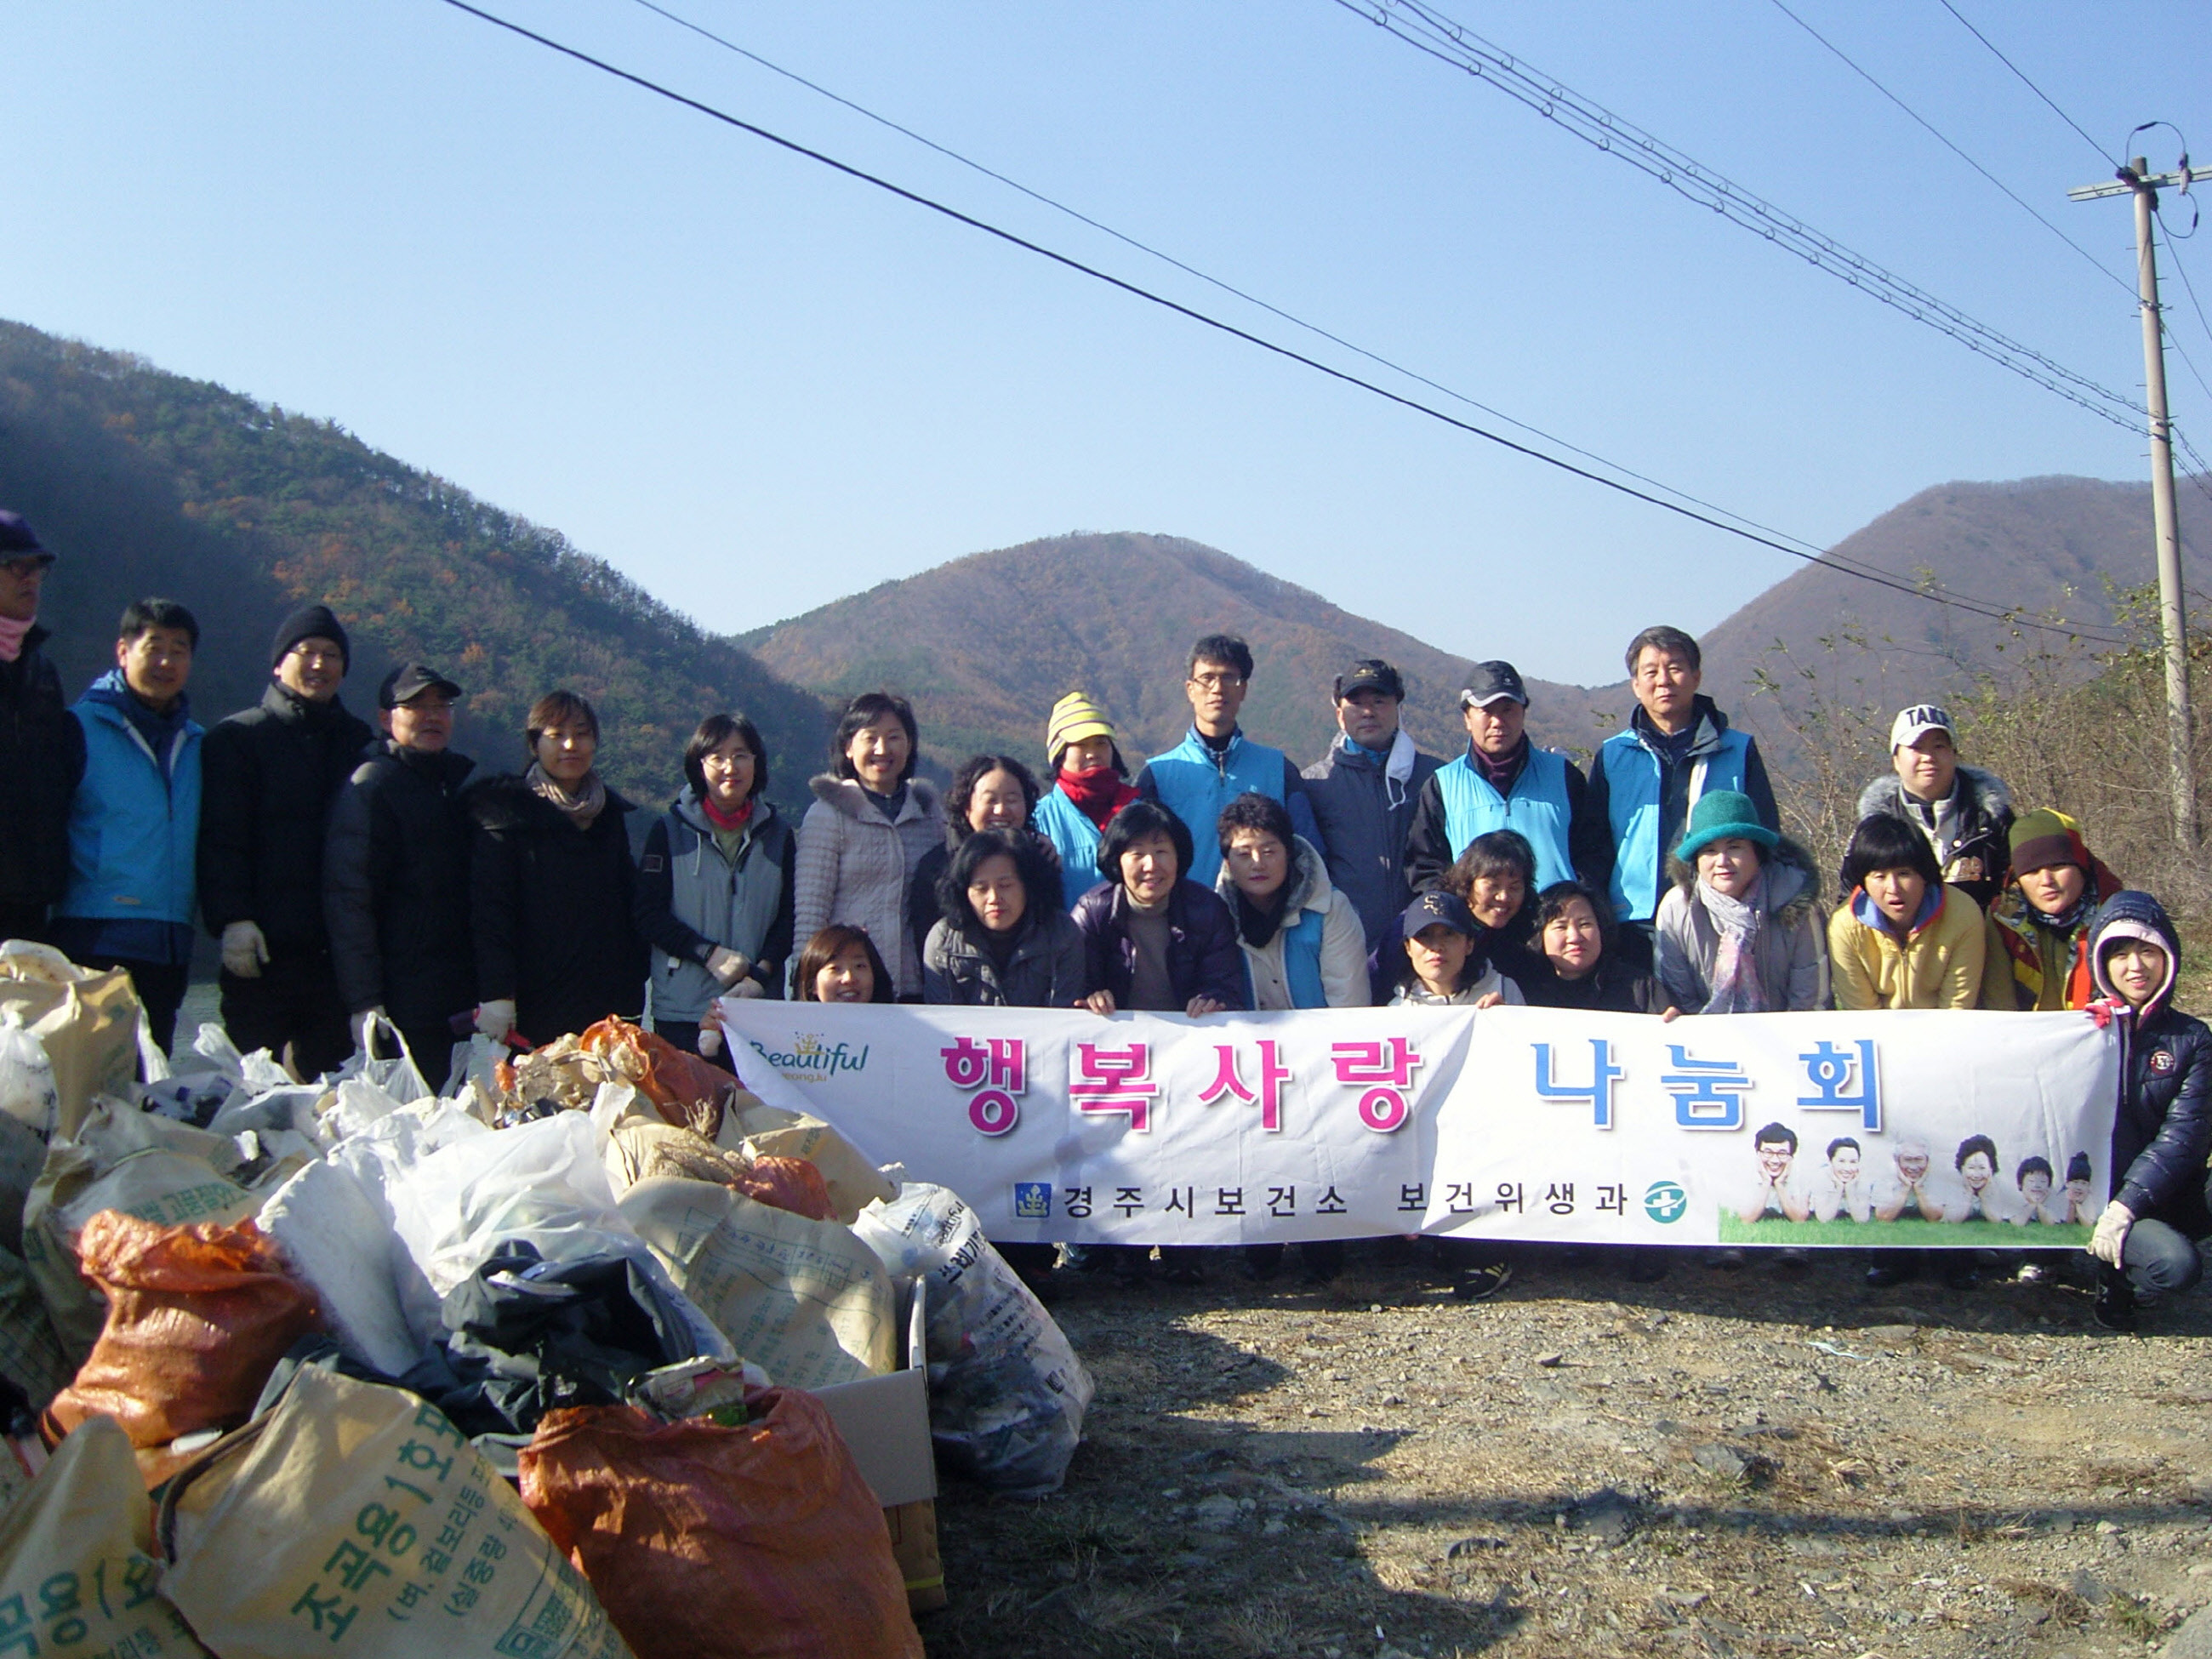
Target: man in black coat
[41, 744]
[396, 875]
[1364, 793]
[269, 776]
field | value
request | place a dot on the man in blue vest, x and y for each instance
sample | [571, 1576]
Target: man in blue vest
[1363, 795]
[135, 820]
[1215, 763]
[1505, 782]
[1677, 746]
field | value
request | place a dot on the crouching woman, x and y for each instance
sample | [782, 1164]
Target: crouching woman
[2145, 1238]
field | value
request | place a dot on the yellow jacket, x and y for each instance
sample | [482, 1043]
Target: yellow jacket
[1939, 965]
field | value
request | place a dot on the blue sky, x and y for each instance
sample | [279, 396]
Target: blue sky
[755, 386]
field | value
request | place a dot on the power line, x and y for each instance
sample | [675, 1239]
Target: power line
[1833, 558]
[2019, 201]
[1314, 329]
[1069, 263]
[2024, 81]
[1420, 26]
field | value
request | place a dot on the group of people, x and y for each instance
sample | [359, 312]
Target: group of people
[364, 880]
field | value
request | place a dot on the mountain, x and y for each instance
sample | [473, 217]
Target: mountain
[986, 644]
[146, 483]
[2052, 549]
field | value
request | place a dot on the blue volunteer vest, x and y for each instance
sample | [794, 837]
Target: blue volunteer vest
[1075, 838]
[1632, 806]
[1301, 946]
[1193, 787]
[134, 836]
[1537, 808]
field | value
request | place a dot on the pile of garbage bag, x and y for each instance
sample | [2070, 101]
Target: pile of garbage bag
[534, 1363]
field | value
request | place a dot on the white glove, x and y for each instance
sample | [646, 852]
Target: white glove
[2112, 1235]
[749, 987]
[496, 1018]
[728, 965]
[710, 1042]
[364, 1027]
[244, 949]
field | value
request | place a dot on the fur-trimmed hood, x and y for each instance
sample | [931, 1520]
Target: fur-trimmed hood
[1984, 799]
[847, 796]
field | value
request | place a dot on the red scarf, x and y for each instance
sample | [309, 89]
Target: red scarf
[729, 821]
[1098, 794]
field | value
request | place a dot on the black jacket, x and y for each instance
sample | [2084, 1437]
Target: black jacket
[550, 908]
[42, 761]
[1366, 816]
[268, 777]
[923, 911]
[2164, 1125]
[395, 886]
[1617, 986]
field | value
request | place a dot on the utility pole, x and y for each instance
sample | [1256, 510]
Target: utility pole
[2136, 179]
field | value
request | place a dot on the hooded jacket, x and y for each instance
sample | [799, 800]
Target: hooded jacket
[1980, 825]
[1365, 816]
[1046, 970]
[1643, 800]
[856, 866]
[1203, 959]
[550, 909]
[42, 757]
[395, 886]
[1937, 964]
[134, 824]
[2163, 1127]
[1793, 965]
[1194, 781]
[692, 898]
[1317, 957]
[269, 776]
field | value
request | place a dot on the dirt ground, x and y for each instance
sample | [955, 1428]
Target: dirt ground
[1725, 1463]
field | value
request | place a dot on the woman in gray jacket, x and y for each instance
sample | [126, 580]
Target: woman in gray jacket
[1741, 932]
[715, 887]
[1003, 941]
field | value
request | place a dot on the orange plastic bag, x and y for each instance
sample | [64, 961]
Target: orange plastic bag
[705, 1542]
[198, 1317]
[689, 1092]
[787, 1183]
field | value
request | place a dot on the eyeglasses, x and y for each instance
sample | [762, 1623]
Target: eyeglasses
[1217, 682]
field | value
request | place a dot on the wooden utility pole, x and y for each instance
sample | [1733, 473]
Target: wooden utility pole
[2136, 179]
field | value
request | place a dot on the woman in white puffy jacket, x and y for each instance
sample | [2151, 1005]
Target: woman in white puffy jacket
[1302, 944]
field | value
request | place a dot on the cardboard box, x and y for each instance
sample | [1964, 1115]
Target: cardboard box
[884, 1421]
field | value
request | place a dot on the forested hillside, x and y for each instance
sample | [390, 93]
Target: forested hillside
[148, 482]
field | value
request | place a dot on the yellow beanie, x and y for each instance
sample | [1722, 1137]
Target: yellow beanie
[1074, 718]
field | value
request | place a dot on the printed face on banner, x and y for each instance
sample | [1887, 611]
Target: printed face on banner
[1897, 1129]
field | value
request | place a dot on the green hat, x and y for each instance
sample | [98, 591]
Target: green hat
[1719, 814]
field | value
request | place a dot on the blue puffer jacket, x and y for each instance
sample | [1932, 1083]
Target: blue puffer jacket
[135, 820]
[1195, 783]
[2164, 1124]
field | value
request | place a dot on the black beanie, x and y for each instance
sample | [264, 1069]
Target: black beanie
[309, 621]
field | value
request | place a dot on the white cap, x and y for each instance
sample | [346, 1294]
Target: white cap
[1916, 722]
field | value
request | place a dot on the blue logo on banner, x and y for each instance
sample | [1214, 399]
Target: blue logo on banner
[1033, 1200]
[1665, 1201]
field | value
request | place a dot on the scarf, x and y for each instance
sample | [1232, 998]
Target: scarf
[581, 808]
[12, 633]
[2022, 929]
[1257, 926]
[1499, 774]
[727, 822]
[1736, 986]
[1098, 794]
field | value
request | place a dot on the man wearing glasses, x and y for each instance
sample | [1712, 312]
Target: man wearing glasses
[1216, 762]
[269, 776]
[396, 875]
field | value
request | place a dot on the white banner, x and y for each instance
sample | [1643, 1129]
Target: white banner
[1829, 1129]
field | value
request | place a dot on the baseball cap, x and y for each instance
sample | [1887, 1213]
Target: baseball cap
[1488, 682]
[19, 541]
[1914, 723]
[1435, 906]
[1371, 674]
[409, 681]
